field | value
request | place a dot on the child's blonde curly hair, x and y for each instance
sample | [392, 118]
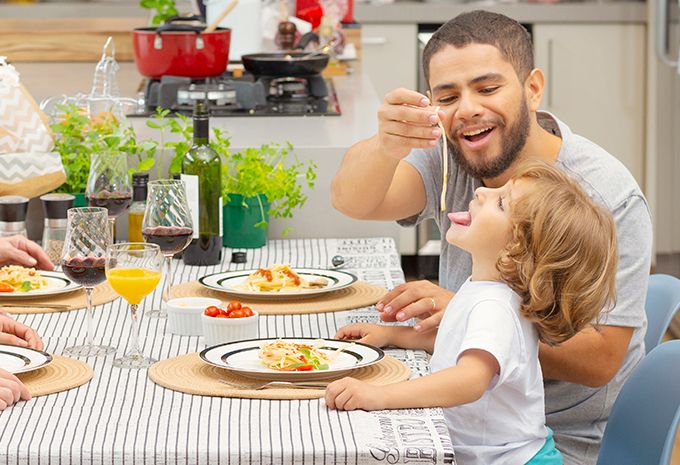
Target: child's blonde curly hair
[562, 257]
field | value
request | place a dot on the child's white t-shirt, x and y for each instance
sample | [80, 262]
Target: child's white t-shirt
[507, 425]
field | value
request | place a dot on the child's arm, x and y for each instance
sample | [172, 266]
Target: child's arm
[461, 384]
[404, 337]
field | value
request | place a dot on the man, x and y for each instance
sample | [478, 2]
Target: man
[18, 250]
[485, 91]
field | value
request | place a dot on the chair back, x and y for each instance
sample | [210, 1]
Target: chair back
[663, 300]
[644, 420]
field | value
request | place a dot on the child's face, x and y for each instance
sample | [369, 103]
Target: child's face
[486, 228]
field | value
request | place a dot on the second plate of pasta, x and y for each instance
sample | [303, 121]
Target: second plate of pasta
[45, 283]
[278, 281]
[292, 359]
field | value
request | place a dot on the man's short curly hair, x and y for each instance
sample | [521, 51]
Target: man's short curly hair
[483, 27]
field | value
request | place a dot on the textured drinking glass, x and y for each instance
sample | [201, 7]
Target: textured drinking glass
[134, 270]
[108, 185]
[83, 259]
[167, 222]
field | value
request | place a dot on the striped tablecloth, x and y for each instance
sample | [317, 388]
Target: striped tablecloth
[123, 417]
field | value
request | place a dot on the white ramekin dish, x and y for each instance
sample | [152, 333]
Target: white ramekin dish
[184, 314]
[221, 330]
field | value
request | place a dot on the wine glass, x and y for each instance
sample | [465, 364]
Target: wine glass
[167, 222]
[82, 260]
[108, 184]
[134, 270]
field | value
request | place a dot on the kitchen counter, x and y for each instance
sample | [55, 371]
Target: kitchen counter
[432, 12]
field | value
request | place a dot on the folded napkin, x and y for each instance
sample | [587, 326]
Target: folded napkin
[28, 166]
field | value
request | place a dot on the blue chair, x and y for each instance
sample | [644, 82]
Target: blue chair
[663, 300]
[644, 420]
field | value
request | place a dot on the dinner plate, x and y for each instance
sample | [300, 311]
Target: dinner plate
[57, 283]
[242, 357]
[17, 359]
[229, 281]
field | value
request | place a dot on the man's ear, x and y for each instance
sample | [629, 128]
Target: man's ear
[533, 87]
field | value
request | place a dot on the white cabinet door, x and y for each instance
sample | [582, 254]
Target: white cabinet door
[595, 83]
[389, 54]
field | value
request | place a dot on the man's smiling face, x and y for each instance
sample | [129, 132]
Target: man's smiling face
[487, 117]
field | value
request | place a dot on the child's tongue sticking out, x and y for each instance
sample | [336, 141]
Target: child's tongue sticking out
[461, 218]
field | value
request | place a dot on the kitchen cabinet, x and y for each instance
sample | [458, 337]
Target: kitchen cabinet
[595, 83]
[389, 55]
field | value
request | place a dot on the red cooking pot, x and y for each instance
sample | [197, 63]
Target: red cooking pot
[181, 49]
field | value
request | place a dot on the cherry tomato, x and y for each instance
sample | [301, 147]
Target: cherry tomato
[304, 368]
[233, 305]
[247, 311]
[223, 312]
[221, 315]
[6, 288]
[236, 314]
[212, 311]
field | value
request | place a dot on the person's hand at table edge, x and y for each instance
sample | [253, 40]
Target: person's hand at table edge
[18, 334]
[419, 299]
[17, 250]
[12, 390]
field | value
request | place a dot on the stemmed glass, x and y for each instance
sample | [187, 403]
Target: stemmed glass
[167, 222]
[82, 260]
[134, 270]
[108, 184]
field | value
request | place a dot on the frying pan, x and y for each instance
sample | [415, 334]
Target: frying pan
[292, 64]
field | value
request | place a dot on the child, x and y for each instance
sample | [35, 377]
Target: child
[543, 267]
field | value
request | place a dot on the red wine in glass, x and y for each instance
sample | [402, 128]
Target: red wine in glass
[115, 202]
[87, 272]
[171, 239]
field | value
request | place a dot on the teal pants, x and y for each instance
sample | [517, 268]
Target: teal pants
[548, 455]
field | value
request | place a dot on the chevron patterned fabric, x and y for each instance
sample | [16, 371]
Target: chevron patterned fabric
[23, 127]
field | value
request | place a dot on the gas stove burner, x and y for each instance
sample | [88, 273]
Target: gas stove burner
[243, 96]
[217, 94]
[288, 88]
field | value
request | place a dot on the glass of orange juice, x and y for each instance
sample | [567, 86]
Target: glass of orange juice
[133, 270]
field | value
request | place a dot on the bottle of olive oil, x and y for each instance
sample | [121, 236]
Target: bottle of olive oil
[201, 172]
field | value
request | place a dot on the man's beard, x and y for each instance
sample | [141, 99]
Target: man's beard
[515, 138]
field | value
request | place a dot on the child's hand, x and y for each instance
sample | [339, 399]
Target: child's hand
[352, 394]
[374, 335]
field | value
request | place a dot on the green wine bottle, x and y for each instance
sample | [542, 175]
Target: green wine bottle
[201, 172]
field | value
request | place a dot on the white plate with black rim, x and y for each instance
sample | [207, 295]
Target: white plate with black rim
[231, 282]
[242, 357]
[17, 359]
[57, 283]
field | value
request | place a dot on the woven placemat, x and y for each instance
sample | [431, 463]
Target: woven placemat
[191, 375]
[61, 375]
[75, 300]
[360, 294]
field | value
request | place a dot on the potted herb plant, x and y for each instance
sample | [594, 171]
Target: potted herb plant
[161, 9]
[78, 135]
[258, 183]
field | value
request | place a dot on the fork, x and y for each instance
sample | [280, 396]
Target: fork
[279, 384]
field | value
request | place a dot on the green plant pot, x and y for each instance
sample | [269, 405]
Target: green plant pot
[79, 199]
[238, 222]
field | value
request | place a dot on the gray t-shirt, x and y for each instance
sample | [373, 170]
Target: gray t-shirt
[576, 413]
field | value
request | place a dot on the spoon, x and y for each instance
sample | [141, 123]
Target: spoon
[338, 261]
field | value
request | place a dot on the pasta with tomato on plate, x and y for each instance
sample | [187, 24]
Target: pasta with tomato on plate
[15, 278]
[279, 278]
